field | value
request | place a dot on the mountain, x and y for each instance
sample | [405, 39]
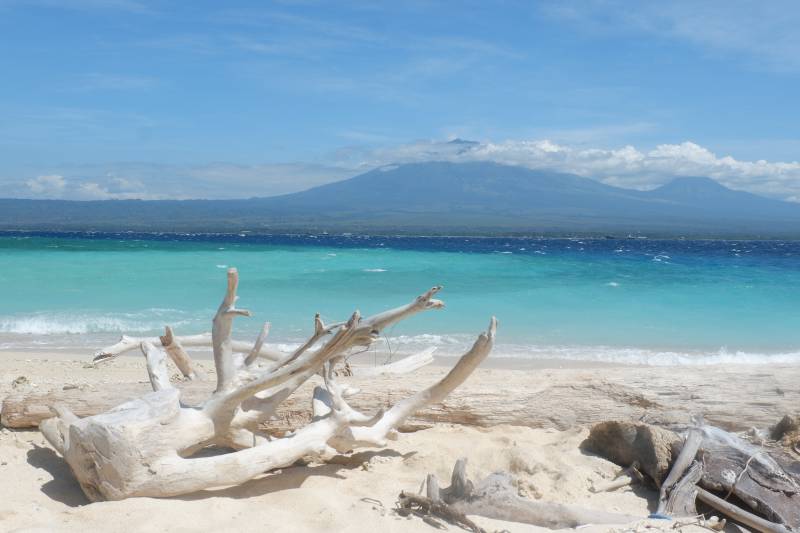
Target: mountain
[711, 195]
[440, 197]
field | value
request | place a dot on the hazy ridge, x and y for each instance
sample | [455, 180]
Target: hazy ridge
[438, 198]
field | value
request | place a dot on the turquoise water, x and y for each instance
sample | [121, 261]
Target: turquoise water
[637, 301]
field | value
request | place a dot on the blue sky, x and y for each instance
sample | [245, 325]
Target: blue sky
[128, 98]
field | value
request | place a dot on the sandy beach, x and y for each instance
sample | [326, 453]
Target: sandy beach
[292, 266]
[541, 448]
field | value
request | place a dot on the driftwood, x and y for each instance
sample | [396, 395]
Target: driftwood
[669, 501]
[758, 478]
[627, 477]
[748, 519]
[712, 465]
[148, 446]
[430, 509]
[683, 494]
[401, 366]
[176, 352]
[610, 394]
[27, 409]
[127, 343]
[496, 497]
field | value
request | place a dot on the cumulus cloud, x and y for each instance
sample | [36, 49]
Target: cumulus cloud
[94, 191]
[51, 185]
[161, 181]
[625, 166]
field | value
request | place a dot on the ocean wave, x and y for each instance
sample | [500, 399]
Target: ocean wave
[430, 340]
[644, 356]
[62, 323]
[62, 329]
[455, 345]
[374, 270]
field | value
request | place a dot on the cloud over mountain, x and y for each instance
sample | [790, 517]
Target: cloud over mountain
[625, 166]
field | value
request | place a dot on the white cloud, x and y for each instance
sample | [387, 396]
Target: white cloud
[94, 191]
[626, 166]
[51, 185]
[161, 181]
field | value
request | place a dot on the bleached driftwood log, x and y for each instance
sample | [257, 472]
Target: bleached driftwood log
[710, 459]
[401, 366]
[496, 497]
[146, 447]
[676, 474]
[127, 343]
[559, 399]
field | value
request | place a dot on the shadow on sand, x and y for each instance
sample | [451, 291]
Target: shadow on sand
[63, 487]
[292, 477]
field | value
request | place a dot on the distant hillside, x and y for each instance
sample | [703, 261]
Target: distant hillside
[440, 197]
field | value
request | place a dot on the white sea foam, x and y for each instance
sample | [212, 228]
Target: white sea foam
[63, 323]
[644, 356]
[374, 270]
[453, 345]
[430, 340]
[61, 329]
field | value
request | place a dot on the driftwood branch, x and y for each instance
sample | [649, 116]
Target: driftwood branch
[128, 343]
[147, 446]
[177, 353]
[739, 514]
[427, 507]
[627, 477]
[682, 496]
[679, 467]
[496, 497]
[156, 367]
[401, 366]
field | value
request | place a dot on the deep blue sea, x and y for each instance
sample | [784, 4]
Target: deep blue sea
[617, 300]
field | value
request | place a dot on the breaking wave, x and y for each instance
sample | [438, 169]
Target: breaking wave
[644, 356]
[63, 329]
[64, 323]
[455, 345]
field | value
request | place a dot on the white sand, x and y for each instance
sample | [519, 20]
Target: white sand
[37, 492]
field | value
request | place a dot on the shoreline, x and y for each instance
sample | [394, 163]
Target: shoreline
[512, 363]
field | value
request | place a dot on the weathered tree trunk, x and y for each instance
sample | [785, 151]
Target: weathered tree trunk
[146, 446]
[558, 400]
[763, 480]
